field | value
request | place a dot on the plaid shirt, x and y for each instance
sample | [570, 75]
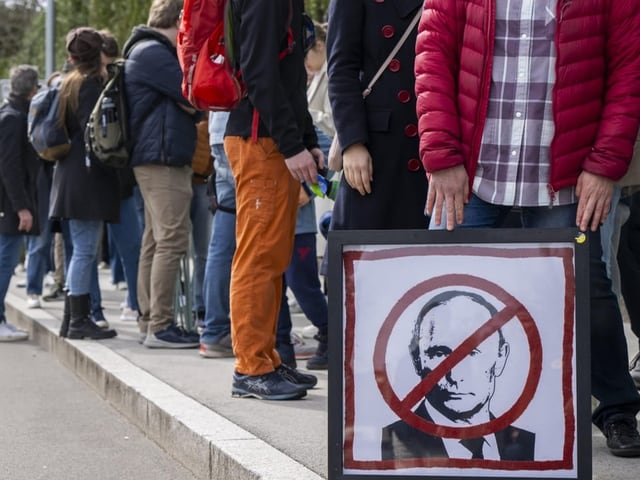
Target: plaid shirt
[513, 165]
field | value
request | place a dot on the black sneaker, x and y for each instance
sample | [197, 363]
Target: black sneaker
[55, 293]
[320, 361]
[270, 386]
[623, 438]
[297, 378]
[172, 337]
[634, 370]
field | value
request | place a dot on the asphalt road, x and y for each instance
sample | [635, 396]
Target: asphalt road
[54, 427]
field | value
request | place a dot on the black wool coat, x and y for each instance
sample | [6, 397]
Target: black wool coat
[361, 35]
[83, 189]
[19, 168]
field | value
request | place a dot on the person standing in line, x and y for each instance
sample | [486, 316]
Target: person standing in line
[19, 170]
[76, 178]
[200, 220]
[272, 147]
[215, 338]
[163, 125]
[508, 119]
[383, 185]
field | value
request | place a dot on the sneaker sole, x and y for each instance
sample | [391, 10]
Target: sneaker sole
[216, 354]
[631, 452]
[161, 344]
[317, 367]
[237, 393]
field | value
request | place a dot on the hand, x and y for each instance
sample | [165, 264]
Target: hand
[448, 187]
[594, 194]
[358, 168]
[302, 167]
[26, 220]
[319, 158]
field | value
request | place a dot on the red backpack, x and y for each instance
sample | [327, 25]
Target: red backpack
[210, 79]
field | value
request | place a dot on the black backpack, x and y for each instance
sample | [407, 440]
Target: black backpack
[106, 136]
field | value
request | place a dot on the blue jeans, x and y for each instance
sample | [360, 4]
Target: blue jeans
[95, 294]
[10, 248]
[126, 237]
[39, 254]
[222, 246]
[85, 239]
[115, 263]
[302, 278]
[611, 383]
[200, 235]
[217, 278]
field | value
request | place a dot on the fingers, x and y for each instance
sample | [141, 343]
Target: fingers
[594, 201]
[25, 224]
[359, 179]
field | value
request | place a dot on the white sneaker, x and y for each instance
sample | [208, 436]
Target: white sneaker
[33, 301]
[129, 315]
[9, 333]
[48, 280]
[309, 331]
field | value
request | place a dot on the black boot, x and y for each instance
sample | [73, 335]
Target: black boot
[320, 360]
[81, 325]
[66, 315]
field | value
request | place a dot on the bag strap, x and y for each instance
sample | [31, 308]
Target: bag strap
[387, 60]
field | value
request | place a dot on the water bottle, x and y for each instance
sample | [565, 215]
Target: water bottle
[108, 114]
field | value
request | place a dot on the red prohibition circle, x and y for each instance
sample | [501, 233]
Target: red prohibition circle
[513, 308]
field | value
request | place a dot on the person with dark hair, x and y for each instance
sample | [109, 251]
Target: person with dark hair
[110, 48]
[19, 168]
[462, 397]
[76, 178]
[163, 127]
[124, 237]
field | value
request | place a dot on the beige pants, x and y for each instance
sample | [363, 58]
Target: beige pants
[166, 192]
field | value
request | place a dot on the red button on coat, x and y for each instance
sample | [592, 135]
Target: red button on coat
[404, 96]
[411, 130]
[388, 31]
[379, 1]
[394, 65]
[413, 165]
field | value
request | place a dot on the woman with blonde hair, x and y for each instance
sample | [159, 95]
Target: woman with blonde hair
[84, 192]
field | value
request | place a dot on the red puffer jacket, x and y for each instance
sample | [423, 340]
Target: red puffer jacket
[596, 97]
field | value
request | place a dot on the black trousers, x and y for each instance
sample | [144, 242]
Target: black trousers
[629, 262]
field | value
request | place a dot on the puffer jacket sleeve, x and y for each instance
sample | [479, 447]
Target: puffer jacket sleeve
[437, 77]
[618, 129]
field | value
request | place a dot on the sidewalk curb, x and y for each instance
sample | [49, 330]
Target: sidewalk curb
[204, 442]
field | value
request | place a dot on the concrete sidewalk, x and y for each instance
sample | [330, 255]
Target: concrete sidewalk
[183, 402]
